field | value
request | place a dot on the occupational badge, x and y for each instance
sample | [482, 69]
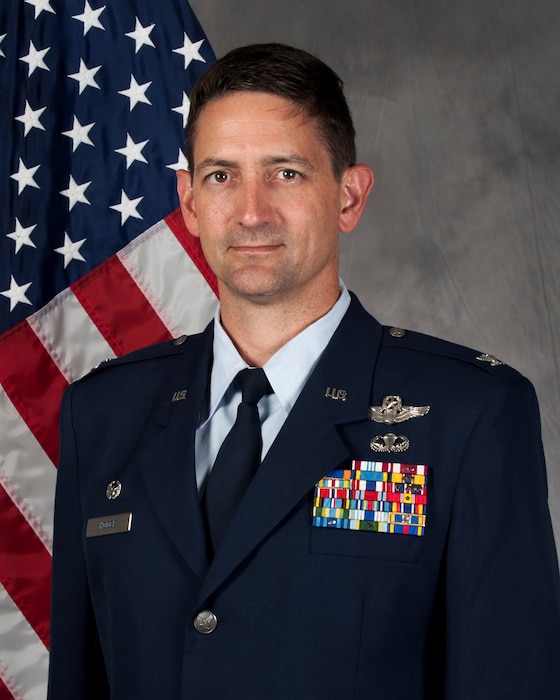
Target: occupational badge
[390, 443]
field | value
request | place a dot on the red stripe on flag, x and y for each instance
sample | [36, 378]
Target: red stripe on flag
[34, 384]
[25, 567]
[4, 692]
[118, 308]
[192, 245]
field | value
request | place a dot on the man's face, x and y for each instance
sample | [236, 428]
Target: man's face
[264, 200]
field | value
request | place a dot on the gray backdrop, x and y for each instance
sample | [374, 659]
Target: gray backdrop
[456, 104]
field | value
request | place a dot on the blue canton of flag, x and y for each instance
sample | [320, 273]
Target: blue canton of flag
[94, 101]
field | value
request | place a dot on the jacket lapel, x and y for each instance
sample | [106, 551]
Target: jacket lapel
[337, 393]
[167, 455]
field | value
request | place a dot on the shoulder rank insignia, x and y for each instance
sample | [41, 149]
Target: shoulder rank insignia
[392, 411]
[101, 364]
[485, 357]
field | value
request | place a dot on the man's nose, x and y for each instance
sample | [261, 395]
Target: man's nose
[254, 202]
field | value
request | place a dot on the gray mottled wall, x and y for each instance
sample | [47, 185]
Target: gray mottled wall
[457, 106]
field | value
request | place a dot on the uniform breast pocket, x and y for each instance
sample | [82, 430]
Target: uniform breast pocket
[371, 509]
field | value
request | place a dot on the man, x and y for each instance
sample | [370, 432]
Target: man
[395, 540]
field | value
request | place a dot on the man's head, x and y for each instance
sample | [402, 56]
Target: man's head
[272, 179]
[287, 72]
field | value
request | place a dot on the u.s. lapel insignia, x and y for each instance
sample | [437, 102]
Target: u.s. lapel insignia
[113, 490]
[336, 394]
[392, 411]
[485, 357]
[390, 443]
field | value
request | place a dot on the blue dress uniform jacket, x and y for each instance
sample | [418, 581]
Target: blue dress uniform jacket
[468, 610]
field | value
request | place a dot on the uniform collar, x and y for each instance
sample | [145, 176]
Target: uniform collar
[288, 369]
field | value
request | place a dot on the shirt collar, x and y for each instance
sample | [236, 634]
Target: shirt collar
[288, 369]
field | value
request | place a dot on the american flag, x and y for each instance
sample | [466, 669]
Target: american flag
[94, 258]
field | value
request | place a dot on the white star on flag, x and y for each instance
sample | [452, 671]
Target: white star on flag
[181, 164]
[70, 250]
[136, 93]
[24, 176]
[2, 37]
[90, 18]
[190, 51]
[75, 192]
[183, 109]
[85, 77]
[127, 207]
[132, 151]
[30, 118]
[141, 35]
[40, 6]
[22, 236]
[34, 58]
[79, 134]
[16, 293]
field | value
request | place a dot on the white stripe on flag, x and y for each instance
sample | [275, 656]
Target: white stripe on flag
[25, 660]
[170, 280]
[69, 336]
[26, 473]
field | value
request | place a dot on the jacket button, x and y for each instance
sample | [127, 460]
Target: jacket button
[205, 622]
[397, 332]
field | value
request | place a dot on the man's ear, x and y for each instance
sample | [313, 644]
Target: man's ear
[356, 185]
[186, 201]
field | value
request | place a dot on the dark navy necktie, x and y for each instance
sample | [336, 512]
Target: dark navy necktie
[238, 457]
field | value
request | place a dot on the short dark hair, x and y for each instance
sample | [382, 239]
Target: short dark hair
[290, 73]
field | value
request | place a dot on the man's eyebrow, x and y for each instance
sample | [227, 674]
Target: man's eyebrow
[214, 163]
[288, 159]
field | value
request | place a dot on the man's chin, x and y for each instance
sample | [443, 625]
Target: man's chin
[257, 287]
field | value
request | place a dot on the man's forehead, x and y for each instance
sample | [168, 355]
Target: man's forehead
[251, 118]
[239, 100]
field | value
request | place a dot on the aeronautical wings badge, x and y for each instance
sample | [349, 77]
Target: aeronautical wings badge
[392, 411]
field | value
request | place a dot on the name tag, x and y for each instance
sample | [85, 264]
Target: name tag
[109, 525]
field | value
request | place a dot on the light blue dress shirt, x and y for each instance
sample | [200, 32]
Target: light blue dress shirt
[287, 371]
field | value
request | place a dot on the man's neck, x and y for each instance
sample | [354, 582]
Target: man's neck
[258, 330]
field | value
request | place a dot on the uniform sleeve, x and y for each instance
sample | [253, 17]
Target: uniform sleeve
[76, 663]
[502, 609]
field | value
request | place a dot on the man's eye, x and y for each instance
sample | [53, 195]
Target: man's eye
[219, 177]
[288, 174]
